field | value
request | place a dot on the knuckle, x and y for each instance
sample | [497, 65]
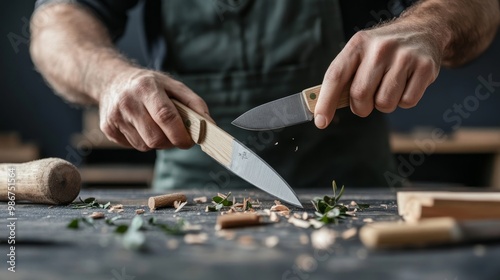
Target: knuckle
[166, 116]
[155, 141]
[408, 101]
[333, 74]
[145, 84]
[359, 92]
[385, 104]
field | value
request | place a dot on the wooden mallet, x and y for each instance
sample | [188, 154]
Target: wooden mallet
[45, 181]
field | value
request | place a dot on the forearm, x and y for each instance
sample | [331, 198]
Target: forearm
[73, 51]
[464, 28]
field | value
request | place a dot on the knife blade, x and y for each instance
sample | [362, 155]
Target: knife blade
[235, 156]
[290, 110]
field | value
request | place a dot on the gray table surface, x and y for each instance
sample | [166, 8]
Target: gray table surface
[46, 249]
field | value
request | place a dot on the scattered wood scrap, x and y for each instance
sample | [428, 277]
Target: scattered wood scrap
[97, 215]
[140, 211]
[118, 208]
[178, 205]
[201, 199]
[237, 220]
[166, 200]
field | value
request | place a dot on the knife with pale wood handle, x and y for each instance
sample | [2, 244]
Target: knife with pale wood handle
[235, 156]
[291, 110]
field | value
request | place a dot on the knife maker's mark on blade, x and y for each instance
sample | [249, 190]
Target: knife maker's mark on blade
[276, 114]
[258, 173]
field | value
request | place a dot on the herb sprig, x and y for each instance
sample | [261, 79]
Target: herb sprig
[90, 202]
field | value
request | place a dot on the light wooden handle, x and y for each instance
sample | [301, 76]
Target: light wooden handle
[311, 96]
[395, 235]
[47, 181]
[195, 124]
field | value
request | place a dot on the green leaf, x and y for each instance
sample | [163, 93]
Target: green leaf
[134, 240]
[106, 206]
[112, 221]
[337, 198]
[226, 202]
[73, 224]
[363, 206]
[212, 208]
[217, 199]
[121, 229]
[89, 200]
[136, 223]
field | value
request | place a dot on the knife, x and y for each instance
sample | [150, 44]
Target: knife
[294, 109]
[235, 156]
[433, 231]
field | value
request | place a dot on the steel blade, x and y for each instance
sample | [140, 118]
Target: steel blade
[250, 167]
[276, 114]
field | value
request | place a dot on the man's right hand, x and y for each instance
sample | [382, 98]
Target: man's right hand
[136, 110]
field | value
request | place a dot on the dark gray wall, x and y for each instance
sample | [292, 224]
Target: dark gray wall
[29, 107]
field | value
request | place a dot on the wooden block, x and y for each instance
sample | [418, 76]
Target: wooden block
[414, 206]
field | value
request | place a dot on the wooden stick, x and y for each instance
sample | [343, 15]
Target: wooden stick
[237, 220]
[166, 200]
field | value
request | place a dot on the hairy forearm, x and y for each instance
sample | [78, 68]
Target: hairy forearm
[463, 28]
[74, 52]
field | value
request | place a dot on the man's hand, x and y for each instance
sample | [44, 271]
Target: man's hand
[136, 110]
[83, 66]
[392, 65]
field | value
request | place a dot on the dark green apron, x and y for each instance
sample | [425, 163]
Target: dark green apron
[239, 54]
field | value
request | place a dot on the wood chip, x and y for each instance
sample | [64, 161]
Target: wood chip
[237, 220]
[299, 222]
[97, 215]
[116, 208]
[368, 220]
[280, 208]
[140, 211]
[304, 239]
[246, 240]
[271, 241]
[297, 216]
[316, 224]
[350, 233]
[201, 199]
[305, 216]
[384, 205]
[166, 200]
[273, 217]
[172, 244]
[178, 205]
[322, 239]
[192, 238]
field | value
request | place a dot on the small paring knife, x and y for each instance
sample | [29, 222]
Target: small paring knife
[291, 110]
[235, 156]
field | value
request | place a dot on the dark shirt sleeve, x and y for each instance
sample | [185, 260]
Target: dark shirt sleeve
[112, 13]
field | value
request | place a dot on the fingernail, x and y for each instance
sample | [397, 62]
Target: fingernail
[320, 121]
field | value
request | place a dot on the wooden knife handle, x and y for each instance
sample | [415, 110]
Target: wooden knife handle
[46, 181]
[311, 96]
[395, 235]
[194, 123]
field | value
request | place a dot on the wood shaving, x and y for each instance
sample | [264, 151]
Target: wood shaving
[226, 234]
[246, 240]
[221, 195]
[140, 211]
[118, 208]
[238, 205]
[178, 205]
[322, 239]
[305, 216]
[353, 203]
[273, 217]
[201, 199]
[192, 238]
[350, 233]
[299, 222]
[297, 216]
[316, 224]
[97, 215]
[368, 220]
[172, 244]
[304, 239]
[271, 241]
[384, 205]
[280, 208]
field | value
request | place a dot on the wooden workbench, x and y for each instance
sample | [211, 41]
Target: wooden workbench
[47, 250]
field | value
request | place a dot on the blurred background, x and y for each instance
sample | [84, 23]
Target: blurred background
[36, 123]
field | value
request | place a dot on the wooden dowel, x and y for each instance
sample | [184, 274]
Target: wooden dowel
[237, 220]
[166, 200]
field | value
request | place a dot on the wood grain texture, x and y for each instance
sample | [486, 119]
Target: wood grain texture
[311, 96]
[214, 141]
[166, 200]
[394, 234]
[46, 181]
[414, 206]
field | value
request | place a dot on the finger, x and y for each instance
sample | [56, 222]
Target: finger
[336, 79]
[118, 138]
[164, 113]
[416, 86]
[186, 96]
[391, 89]
[363, 87]
[150, 132]
[133, 137]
